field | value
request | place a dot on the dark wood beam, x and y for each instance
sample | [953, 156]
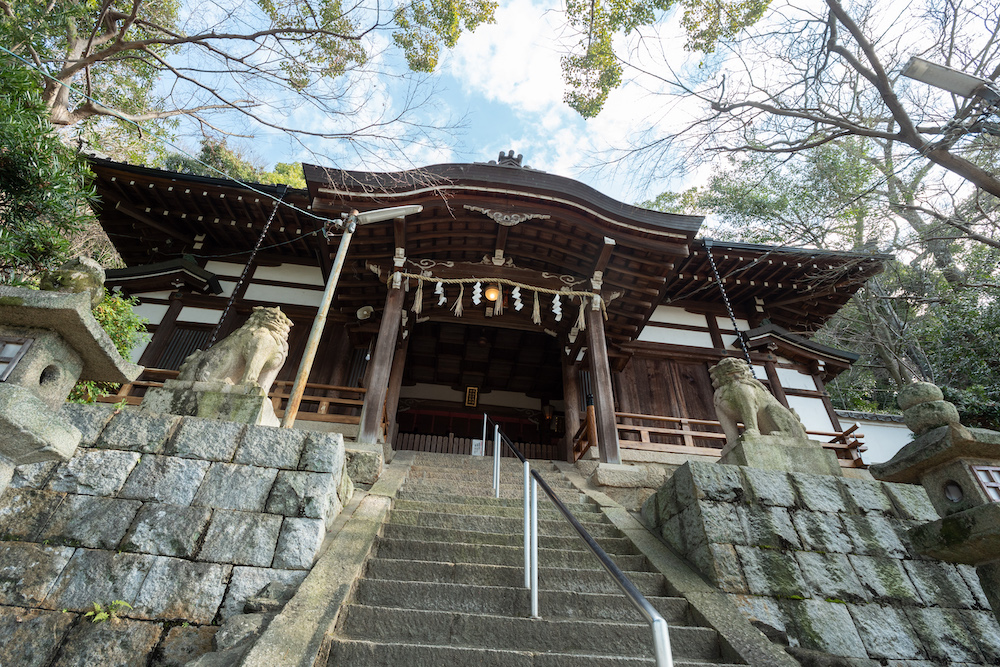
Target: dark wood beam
[122, 207]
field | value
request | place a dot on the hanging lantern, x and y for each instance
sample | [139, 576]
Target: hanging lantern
[492, 292]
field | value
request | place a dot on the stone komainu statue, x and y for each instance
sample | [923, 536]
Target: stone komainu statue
[739, 397]
[253, 354]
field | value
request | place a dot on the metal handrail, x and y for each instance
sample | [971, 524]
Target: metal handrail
[661, 638]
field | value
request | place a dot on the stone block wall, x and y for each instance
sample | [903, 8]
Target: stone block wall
[182, 518]
[825, 562]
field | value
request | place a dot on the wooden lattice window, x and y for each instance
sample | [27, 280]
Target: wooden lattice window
[989, 478]
[12, 349]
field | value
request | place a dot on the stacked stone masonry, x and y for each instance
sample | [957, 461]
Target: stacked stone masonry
[826, 563]
[182, 518]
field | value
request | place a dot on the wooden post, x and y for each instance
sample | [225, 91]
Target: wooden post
[571, 400]
[604, 398]
[392, 396]
[776, 388]
[381, 365]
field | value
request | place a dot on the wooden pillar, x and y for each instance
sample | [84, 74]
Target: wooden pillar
[164, 331]
[392, 396]
[571, 401]
[381, 365]
[776, 388]
[604, 399]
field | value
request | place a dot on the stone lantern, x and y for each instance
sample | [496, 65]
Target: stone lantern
[48, 341]
[960, 469]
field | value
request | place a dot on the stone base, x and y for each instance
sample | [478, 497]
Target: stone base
[971, 537]
[246, 404]
[776, 453]
[30, 432]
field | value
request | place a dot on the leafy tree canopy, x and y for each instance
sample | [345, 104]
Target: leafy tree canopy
[218, 159]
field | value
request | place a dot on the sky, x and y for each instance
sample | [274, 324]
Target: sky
[504, 81]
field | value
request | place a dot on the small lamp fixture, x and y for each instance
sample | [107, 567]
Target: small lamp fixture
[492, 292]
[547, 411]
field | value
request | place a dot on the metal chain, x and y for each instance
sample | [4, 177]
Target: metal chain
[725, 298]
[246, 269]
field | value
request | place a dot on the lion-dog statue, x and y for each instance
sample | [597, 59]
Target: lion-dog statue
[251, 355]
[740, 397]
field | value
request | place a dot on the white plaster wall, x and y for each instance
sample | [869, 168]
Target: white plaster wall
[676, 336]
[279, 295]
[140, 347]
[882, 439]
[675, 315]
[225, 268]
[153, 312]
[793, 379]
[726, 324]
[812, 412]
[291, 273]
[165, 294]
[199, 315]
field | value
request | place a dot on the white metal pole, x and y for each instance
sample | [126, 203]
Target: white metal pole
[534, 549]
[527, 526]
[496, 460]
[661, 644]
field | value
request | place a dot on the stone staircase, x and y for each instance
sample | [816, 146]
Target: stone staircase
[444, 584]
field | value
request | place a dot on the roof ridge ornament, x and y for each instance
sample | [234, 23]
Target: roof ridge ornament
[509, 160]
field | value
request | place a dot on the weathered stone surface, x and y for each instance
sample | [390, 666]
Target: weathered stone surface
[820, 493]
[28, 571]
[31, 637]
[762, 612]
[866, 496]
[94, 472]
[248, 581]
[911, 501]
[168, 530]
[916, 393]
[771, 572]
[971, 578]
[235, 487]
[33, 475]
[707, 481]
[823, 626]
[769, 487]
[98, 576]
[983, 627]
[25, 512]
[325, 452]
[886, 632]
[270, 447]
[165, 479]
[136, 431]
[239, 629]
[830, 576]
[90, 420]
[307, 494]
[241, 538]
[176, 588]
[939, 584]
[88, 521]
[671, 532]
[206, 439]
[183, 644]
[121, 642]
[713, 522]
[768, 527]
[874, 535]
[943, 634]
[299, 543]
[971, 536]
[720, 564]
[619, 475]
[821, 531]
[885, 579]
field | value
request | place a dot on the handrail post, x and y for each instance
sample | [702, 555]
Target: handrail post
[534, 549]
[484, 433]
[496, 460]
[527, 526]
[661, 643]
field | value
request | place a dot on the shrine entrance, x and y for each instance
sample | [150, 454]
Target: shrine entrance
[456, 371]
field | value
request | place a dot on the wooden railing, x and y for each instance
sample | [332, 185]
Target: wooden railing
[699, 437]
[343, 407]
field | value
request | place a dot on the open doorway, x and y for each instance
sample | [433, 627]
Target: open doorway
[455, 372]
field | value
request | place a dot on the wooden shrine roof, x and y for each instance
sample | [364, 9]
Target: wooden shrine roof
[540, 228]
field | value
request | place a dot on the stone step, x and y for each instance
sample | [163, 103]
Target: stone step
[506, 493]
[507, 476]
[434, 459]
[369, 654]
[478, 574]
[618, 545]
[411, 626]
[446, 552]
[511, 601]
[580, 503]
[498, 524]
[590, 513]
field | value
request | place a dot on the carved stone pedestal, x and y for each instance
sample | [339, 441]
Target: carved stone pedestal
[244, 403]
[776, 452]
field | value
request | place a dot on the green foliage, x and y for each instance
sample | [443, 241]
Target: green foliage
[594, 69]
[423, 26]
[217, 159]
[100, 613]
[978, 406]
[44, 185]
[116, 315]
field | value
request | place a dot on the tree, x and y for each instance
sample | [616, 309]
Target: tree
[811, 72]
[116, 315]
[217, 158]
[44, 185]
[153, 61]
